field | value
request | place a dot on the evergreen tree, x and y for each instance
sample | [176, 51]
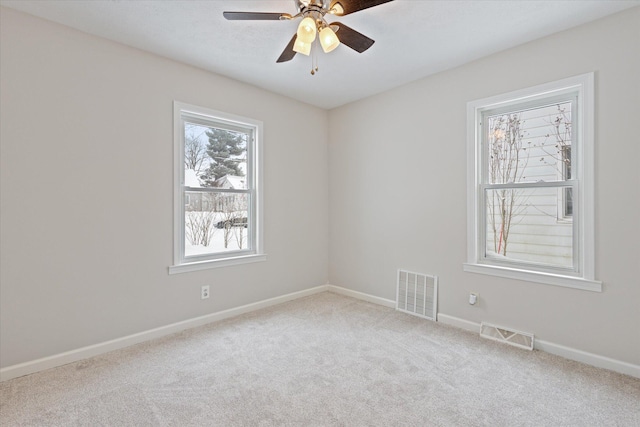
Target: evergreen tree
[227, 150]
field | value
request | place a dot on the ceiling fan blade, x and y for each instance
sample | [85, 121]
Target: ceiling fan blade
[288, 53]
[351, 38]
[345, 7]
[255, 16]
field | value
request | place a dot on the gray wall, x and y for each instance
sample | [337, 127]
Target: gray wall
[87, 191]
[397, 190]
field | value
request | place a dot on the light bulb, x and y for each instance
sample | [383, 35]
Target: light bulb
[328, 39]
[302, 47]
[307, 30]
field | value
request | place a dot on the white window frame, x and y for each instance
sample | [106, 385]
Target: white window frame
[255, 251]
[582, 276]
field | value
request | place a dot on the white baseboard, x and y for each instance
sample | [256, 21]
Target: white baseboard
[589, 358]
[459, 323]
[361, 296]
[557, 349]
[101, 348]
[33, 366]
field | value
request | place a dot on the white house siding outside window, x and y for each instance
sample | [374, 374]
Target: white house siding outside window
[217, 190]
[530, 186]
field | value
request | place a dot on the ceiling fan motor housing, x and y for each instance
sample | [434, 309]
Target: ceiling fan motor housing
[322, 4]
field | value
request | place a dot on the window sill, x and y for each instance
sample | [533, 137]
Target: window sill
[216, 263]
[535, 276]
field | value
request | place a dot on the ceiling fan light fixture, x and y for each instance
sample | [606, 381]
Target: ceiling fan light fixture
[337, 9]
[302, 47]
[307, 30]
[328, 40]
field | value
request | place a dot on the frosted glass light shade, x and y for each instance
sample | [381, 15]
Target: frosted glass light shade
[328, 39]
[307, 30]
[302, 47]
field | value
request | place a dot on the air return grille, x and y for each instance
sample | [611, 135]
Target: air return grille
[507, 336]
[417, 294]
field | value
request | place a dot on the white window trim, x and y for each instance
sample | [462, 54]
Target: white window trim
[224, 259]
[585, 278]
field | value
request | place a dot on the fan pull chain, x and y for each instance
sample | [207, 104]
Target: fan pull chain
[314, 59]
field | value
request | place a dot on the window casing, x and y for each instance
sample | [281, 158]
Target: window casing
[530, 184]
[217, 189]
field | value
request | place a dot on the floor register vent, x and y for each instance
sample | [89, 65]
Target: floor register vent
[507, 336]
[417, 294]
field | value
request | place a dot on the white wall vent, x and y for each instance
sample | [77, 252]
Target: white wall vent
[507, 336]
[417, 294]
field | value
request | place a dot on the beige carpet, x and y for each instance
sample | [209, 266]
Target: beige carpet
[325, 360]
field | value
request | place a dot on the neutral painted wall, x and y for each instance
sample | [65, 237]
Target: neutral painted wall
[86, 187]
[398, 190]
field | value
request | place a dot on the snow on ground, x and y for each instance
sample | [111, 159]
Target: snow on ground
[216, 242]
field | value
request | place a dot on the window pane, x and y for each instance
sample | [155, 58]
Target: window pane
[215, 222]
[529, 145]
[522, 225]
[216, 157]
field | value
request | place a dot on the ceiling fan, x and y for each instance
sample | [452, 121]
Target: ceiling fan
[313, 22]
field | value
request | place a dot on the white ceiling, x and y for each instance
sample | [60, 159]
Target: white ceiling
[414, 38]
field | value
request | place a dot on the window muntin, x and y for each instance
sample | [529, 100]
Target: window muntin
[218, 209]
[554, 182]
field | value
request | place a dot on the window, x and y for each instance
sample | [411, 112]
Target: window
[218, 205]
[530, 184]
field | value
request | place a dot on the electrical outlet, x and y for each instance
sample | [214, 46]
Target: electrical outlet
[204, 292]
[473, 298]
